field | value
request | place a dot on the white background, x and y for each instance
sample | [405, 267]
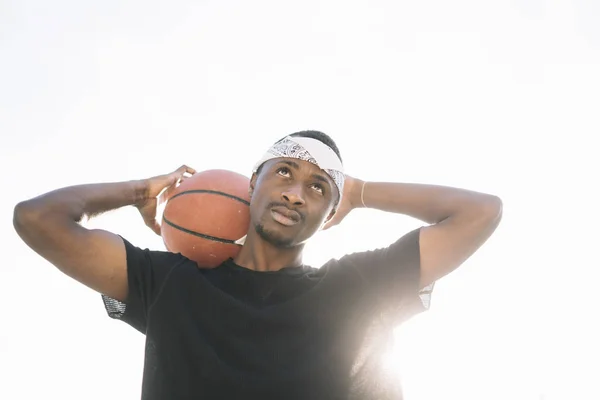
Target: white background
[499, 97]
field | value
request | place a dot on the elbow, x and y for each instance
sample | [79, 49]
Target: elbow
[26, 215]
[494, 204]
[491, 209]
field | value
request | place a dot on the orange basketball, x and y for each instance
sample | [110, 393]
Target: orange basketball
[205, 215]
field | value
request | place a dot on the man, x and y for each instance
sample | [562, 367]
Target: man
[264, 325]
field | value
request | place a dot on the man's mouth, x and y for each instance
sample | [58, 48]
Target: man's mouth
[285, 216]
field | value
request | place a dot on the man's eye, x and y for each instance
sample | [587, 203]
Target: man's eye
[283, 172]
[318, 188]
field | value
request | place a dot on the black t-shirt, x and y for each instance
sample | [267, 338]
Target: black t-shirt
[298, 333]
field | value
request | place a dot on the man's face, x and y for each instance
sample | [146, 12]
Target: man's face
[290, 200]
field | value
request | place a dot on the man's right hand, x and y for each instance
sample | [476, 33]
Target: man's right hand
[156, 192]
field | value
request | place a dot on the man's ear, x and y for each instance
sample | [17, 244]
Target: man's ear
[252, 184]
[329, 217]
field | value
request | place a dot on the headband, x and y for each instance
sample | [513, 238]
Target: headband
[311, 150]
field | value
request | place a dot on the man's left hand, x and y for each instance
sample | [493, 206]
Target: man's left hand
[348, 202]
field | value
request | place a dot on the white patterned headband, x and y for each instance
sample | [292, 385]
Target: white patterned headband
[311, 150]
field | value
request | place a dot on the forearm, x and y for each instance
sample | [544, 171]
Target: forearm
[76, 202]
[429, 203]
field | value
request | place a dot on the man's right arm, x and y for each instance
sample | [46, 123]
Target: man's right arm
[50, 225]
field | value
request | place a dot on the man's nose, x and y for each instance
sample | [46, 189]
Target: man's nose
[293, 195]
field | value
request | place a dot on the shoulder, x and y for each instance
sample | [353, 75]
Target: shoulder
[388, 276]
[154, 256]
[152, 267]
[403, 250]
[393, 269]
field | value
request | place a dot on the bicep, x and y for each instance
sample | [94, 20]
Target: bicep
[98, 260]
[447, 244]
[390, 272]
[389, 277]
[95, 258]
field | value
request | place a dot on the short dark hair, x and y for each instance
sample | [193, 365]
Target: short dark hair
[322, 137]
[318, 135]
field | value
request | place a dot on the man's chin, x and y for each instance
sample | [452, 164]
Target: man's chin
[274, 238]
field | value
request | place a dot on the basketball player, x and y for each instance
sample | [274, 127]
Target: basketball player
[264, 325]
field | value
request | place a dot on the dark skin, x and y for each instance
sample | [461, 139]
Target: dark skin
[297, 185]
[50, 224]
[460, 221]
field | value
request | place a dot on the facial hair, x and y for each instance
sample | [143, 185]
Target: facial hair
[273, 238]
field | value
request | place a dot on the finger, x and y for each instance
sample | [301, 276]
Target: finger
[153, 224]
[163, 196]
[156, 228]
[171, 181]
[179, 175]
[184, 169]
[190, 171]
[166, 194]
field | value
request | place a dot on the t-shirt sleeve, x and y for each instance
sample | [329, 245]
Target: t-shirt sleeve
[390, 277]
[147, 272]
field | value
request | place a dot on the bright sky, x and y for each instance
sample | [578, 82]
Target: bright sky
[500, 97]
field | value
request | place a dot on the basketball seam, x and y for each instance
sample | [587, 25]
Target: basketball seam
[202, 235]
[246, 202]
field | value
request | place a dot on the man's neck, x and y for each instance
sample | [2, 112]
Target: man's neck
[259, 255]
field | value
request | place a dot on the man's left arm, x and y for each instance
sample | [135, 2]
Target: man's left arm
[461, 221]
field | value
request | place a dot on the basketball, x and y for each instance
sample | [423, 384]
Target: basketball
[205, 215]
